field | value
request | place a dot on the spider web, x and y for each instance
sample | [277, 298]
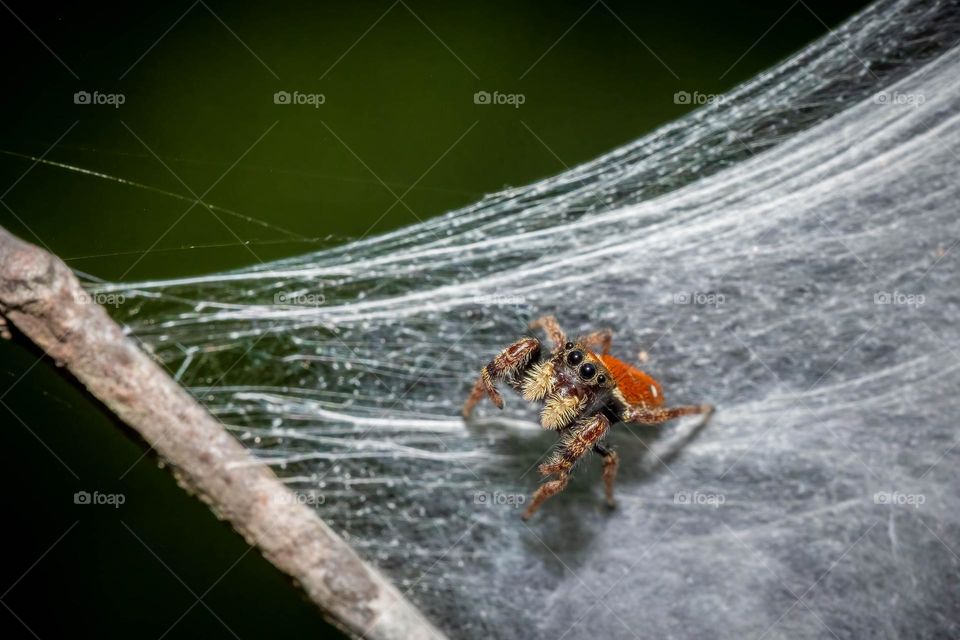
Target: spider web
[786, 254]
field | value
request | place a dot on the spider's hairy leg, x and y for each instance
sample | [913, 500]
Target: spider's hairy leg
[546, 490]
[509, 365]
[481, 387]
[552, 328]
[574, 445]
[602, 338]
[644, 415]
[610, 463]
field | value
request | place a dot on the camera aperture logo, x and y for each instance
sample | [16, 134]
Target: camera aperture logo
[297, 98]
[512, 99]
[96, 98]
[96, 498]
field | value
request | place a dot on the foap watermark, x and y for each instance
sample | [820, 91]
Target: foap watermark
[499, 300]
[512, 99]
[895, 97]
[499, 499]
[102, 299]
[299, 298]
[297, 98]
[700, 298]
[101, 99]
[685, 97]
[114, 500]
[699, 499]
[309, 498]
[900, 499]
[899, 298]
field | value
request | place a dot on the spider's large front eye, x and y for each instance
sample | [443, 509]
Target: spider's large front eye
[587, 371]
[574, 358]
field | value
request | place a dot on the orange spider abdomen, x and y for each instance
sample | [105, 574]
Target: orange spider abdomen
[636, 386]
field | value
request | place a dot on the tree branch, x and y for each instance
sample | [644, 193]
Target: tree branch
[41, 296]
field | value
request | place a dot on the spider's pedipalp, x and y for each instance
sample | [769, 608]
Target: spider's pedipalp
[538, 382]
[560, 410]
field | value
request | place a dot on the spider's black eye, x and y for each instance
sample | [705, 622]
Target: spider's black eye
[587, 371]
[601, 379]
[574, 358]
[568, 346]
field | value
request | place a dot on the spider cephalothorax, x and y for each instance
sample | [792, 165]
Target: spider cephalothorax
[571, 382]
[582, 392]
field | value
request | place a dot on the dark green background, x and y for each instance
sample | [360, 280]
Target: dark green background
[399, 119]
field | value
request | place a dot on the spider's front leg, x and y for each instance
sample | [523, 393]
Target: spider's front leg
[552, 328]
[610, 463]
[602, 338]
[509, 365]
[643, 415]
[582, 437]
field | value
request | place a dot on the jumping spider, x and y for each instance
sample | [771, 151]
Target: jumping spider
[582, 394]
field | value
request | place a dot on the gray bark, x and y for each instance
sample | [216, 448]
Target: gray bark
[45, 301]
